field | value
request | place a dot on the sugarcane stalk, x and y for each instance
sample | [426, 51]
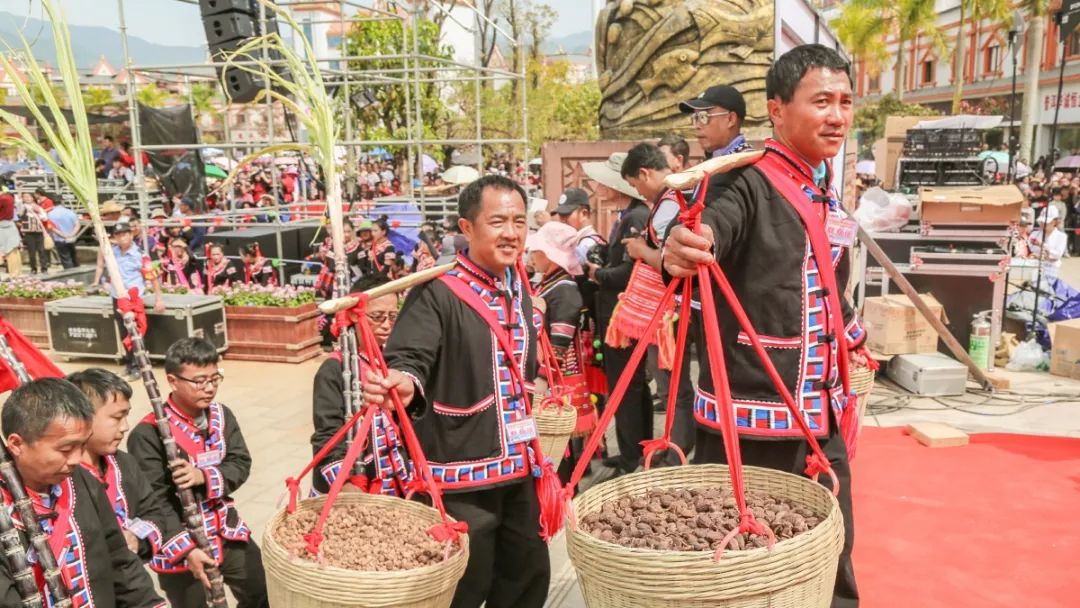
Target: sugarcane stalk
[720, 164]
[11, 543]
[11, 540]
[192, 510]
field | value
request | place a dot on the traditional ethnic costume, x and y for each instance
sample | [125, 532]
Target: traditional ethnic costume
[260, 272]
[224, 274]
[562, 320]
[772, 223]
[215, 445]
[474, 426]
[386, 469]
[634, 419]
[132, 501]
[382, 253]
[182, 275]
[94, 559]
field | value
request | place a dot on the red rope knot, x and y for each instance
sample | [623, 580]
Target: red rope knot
[816, 464]
[135, 305]
[292, 484]
[661, 444]
[349, 317]
[313, 541]
[448, 530]
[748, 524]
[414, 486]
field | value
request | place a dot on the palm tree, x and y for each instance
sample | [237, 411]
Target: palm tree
[152, 96]
[1037, 11]
[863, 30]
[905, 19]
[997, 12]
[95, 98]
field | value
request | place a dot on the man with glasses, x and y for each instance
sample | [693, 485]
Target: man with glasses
[215, 463]
[382, 475]
[717, 116]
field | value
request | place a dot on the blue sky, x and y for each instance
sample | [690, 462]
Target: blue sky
[176, 23]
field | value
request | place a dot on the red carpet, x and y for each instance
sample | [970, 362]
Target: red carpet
[993, 523]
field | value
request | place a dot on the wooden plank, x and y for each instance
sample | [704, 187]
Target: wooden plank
[937, 434]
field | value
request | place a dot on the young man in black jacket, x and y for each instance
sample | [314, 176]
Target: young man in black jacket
[634, 418]
[46, 424]
[780, 234]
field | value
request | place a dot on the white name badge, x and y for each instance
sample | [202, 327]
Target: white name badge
[139, 528]
[521, 431]
[208, 459]
[841, 230]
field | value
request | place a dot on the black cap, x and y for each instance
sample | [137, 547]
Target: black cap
[720, 96]
[121, 226]
[571, 200]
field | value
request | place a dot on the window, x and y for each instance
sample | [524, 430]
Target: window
[1074, 44]
[874, 83]
[992, 59]
[928, 72]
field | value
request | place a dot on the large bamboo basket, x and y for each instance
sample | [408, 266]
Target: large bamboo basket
[296, 583]
[796, 573]
[861, 380]
[554, 425]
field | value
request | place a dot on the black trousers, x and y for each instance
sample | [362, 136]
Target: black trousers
[66, 253]
[508, 561]
[634, 418]
[790, 456]
[35, 249]
[242, 569]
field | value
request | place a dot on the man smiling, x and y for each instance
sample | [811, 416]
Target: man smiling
[447, 362]
[783, 240]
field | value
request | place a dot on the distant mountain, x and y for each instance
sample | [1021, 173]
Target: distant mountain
[573, 44]
[89, 43]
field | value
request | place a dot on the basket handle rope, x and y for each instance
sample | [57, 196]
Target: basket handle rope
[560, 392]
[707, 276]
[652, 446]
[448, 530]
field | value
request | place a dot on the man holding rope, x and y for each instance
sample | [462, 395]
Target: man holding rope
[770, 226]
[449, 361]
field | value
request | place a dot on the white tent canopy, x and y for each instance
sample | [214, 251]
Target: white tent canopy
[963, 121]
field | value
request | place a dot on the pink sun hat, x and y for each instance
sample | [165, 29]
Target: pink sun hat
[558, 241]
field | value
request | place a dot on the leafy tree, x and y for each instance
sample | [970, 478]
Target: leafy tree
[870, 118]
[39, 95]
[863, 30]
[907, 19]
[95, 98]
[153, 96]
[388, 116]
[1037, 11]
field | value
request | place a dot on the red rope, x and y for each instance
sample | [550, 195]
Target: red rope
[133, 304]
[315, 537]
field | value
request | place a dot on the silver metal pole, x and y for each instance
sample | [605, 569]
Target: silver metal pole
[136, 139]
[416, 15]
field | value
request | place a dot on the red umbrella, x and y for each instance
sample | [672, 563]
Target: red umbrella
[36, 363]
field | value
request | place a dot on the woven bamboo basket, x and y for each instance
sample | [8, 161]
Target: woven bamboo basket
[554, 425]
[862, 384]
[796, 573]
[296, 583]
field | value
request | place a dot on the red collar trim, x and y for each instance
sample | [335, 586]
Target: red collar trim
[796, 161]
[481, 276]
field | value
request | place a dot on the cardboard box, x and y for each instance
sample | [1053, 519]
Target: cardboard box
[887, 151]
[1065, 347]
[895, 327]
[995, 205]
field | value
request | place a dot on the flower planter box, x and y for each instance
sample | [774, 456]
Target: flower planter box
[273, 334]
[28, 316]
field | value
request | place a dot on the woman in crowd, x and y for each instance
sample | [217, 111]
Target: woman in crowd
[382, 250]
[179, 268]
[221, 271]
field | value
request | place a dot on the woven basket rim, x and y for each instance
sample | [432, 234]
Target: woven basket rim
[580, 535]
[310, 504]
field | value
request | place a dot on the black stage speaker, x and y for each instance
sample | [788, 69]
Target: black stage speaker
[229, 24]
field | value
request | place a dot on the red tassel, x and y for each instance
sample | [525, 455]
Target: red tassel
[449, 530]
[552, 506]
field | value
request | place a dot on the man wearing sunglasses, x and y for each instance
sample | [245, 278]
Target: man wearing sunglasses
[717, 116]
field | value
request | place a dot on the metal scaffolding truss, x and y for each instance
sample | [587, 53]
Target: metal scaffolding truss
[347, 72]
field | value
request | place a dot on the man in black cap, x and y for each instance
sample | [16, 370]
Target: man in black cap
[575, 210]
[717, 116]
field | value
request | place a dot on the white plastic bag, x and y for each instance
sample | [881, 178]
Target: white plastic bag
[1028, 356]
[881, 211]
